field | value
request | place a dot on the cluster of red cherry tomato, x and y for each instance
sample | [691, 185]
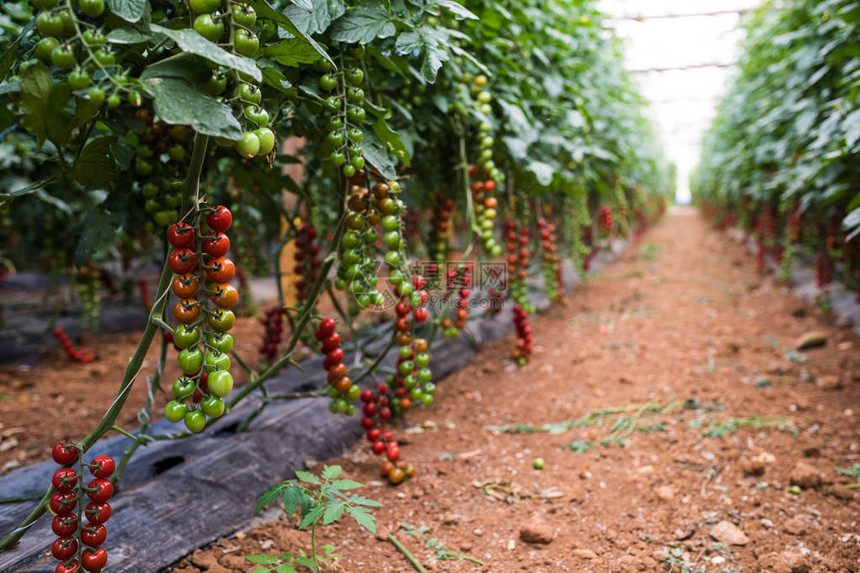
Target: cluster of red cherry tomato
[341, 389]
[553, 279]
[524, 346]
[462, 279]
[77, 545]
[605, 221]
[273, 323]
[82, 355]
[376, 412]
[307, 260]
[518, 263]
[200, 255]
[440, 227]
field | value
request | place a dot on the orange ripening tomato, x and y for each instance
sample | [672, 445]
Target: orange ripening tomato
[186, 310]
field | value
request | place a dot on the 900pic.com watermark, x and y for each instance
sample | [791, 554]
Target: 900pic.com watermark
[484, 284]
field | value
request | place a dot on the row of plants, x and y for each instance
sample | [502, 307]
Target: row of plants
[780, 161]
[142, 131]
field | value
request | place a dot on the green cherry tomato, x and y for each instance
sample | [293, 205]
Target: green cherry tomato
[335, 138]
[220, 383]
[185, 335]
[355, 95]
[391, 240]
[114, 100]
[245, 43]
[538, 464]
[328, 82]
[249, 93]
[249, 145]
[220, 341]
[63, 57]
[49, 24]
[244, 15]
[358, 162]
[190, 360]
[92, 8]
[267, 140]
[213, 406]
[78, 80]
[204, 6]
[332, 103]
[174, 411]
[337, 158]
[96, 95]
[355, 114]
[355, 135]
[45, 47]
[221, 319]
[183, 388]
[105, 57]
[93, 38]
[68, 23]
[257, 114]
[216, 361]
[334, 123]
[216, 84]
[392, 259]
[354, 76]
[195, 421]
[209, 27]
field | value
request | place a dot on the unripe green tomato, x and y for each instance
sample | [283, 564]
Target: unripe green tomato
[213, 406]
[220, 383]
[424, 376]
[410, 381]
[249, 145]
[215, 85]
[337, 158]
[416, 393]
[354, 76]
[134, 98]
[355, 135]
[151, 206]
[45, 47]
[163, 218]
[245, 43]
[257, 115]
[185, 335]
[183, 388]
[350, 239]
[405, 352]
[335, 138]
[220, 341]
[204, 6]
[92, 8]
[96, 95]
[209, 27]
[195, 421]
[68, 23]
[392, 259]
[358, 163]
[538, 464]
[267, 140]
[216, 361]
[348, 170]
[354, 392]
[174, 411]
[244, 15]
[190, 360]
[93, 38]
[390, 223]
[496, 250]
[391, 240]
[355, 95]
[364, 300]
[49, 24]
[114, 100]
[104, 57]
[249, 93]
[332, 392]
[426, 399]
[355, 114]
[63, 57]
[177, 152]
[422, 359]
[328, 82]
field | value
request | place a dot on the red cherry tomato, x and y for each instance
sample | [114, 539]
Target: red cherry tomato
[102, 466]
[218, 246]
[326, 328]
[181, 236]
[64, 479]
[64, 548]
[222, 270]
[100, 490]
[330, 343]
[97, 512]
[220, 219]
[94, 560]
[225, 295]
[68, 567]
[65, 453]
[182, 261]
[65, 525]
[63, 503]
[378, 448]
[94, 535]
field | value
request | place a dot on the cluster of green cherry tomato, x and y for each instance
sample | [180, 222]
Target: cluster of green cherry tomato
[199, 258]
[78, 545]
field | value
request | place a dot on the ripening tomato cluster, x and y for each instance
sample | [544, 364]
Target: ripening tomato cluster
[440, 228]
[82, 355]
[273, 323]
[463, 279]
[485, 204]
[553, 279]
[368, 208]
[341, 389]
[518, 264]
[77, 545]
[605, 221]
[199, 254]
[524, 346]
[307, 260]
[413, 380]
[376, 412]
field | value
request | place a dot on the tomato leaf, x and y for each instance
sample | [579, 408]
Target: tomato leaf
[312, 516]
[357, 499]
[331, 472]
[292, 499]
[193, 43]
[362, 25]
[96, 162]
[127, 36]
[460, 11]
[43, 105]
[266, 12]
[318, 18]
[129, 10]
[391, 140]
[377, 155]
[8, 56]
[430, 43]
[333, 511]
[363, 518]
[345, 484]
[178, 103]
[99, 230]
[292, 52]
[285, 568]
[262, 559]
[307, 477]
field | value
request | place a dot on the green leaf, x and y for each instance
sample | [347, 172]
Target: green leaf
[457, 9]
[292, 499]
[312, 516]
[317, 19]
[331, 472]
[307, 477]
[285, 568]
[430, 43]
[193, 43]
[178, 103]
[127, 36]
[262, 559]
[851, 127]
[542, 171]
[260, 570]
[31, 188]
[266, 12]
[345, 484]
[333, 511]
[303, 4]
[391, 139]
[8, 56]
[377, 155]
[96, 162]
[270, 496]
[43, 105]
[129, 10]
[99, 231]
[273, 77]
[307, 562]
[363, 25]
[181, 66]
[292, 52]
[363, 518]
[359, 500]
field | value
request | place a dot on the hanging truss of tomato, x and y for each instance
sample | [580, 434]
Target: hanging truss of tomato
[154, 130]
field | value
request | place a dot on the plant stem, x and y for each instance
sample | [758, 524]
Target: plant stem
[411, 558]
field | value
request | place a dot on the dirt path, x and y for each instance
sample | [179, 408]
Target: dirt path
[684, 322]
